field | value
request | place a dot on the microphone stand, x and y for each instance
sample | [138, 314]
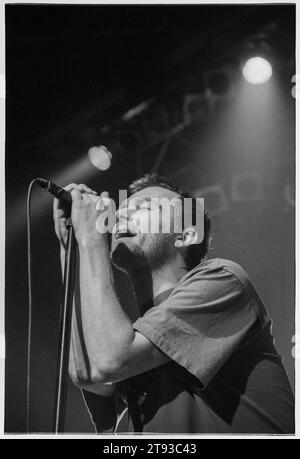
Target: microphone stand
[65, 331]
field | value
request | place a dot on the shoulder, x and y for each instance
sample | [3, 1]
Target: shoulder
[218, 269]
[219, 277]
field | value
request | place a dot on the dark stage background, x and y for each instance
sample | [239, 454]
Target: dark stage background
[161, 86]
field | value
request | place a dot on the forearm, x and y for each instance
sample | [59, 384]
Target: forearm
[79, 367]
[105, 348]
[108, 331]
[78, 360]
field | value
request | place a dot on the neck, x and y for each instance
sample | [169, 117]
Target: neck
[167, 277]
[147, 284]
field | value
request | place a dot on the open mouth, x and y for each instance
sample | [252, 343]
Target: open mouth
[121, 231]
[122, 235]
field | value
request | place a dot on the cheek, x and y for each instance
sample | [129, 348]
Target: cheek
[156, 222]
[165, 224]
[141, 220]
[160, 243]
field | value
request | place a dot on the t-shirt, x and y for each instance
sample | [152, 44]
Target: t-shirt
[224, 376]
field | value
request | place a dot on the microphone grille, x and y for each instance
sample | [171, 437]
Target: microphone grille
[43, 183]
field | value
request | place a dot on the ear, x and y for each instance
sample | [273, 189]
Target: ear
[188, 237]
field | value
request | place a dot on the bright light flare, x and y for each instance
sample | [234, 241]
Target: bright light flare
[257, 70]
[100, 157]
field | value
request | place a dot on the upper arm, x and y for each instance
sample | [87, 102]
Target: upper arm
[141, 356]
[203, 322]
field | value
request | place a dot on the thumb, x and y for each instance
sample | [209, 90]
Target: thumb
[76, 195]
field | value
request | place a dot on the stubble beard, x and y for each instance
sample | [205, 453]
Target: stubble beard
[151, 250]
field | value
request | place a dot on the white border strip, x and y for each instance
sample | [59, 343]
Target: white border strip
[2, 230]
[2, 212]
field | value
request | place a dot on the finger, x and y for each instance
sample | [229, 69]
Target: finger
[72, 186]
[104, 194]
[87, 189]
[76, 195]
[82, 187]
[92, 198]
[103, 203]
[58, 203]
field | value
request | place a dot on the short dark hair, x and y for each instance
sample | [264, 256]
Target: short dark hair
[194, 254]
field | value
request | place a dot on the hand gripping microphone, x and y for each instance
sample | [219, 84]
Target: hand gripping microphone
[99, 156]
[55, 190]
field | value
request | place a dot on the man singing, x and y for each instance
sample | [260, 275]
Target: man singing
[200, 358]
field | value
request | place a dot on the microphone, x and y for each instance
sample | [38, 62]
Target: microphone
[100, 157]
[55, 190]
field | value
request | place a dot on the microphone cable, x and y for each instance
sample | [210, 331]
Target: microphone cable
[29, 330]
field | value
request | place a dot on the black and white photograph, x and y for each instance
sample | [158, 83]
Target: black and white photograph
[150, 221]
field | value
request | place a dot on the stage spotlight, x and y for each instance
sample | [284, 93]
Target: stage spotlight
[257, 70]
[100, 157]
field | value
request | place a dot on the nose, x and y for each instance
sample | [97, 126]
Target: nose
[122, 214]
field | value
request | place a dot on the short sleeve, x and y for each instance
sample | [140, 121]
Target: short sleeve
[204, 320]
